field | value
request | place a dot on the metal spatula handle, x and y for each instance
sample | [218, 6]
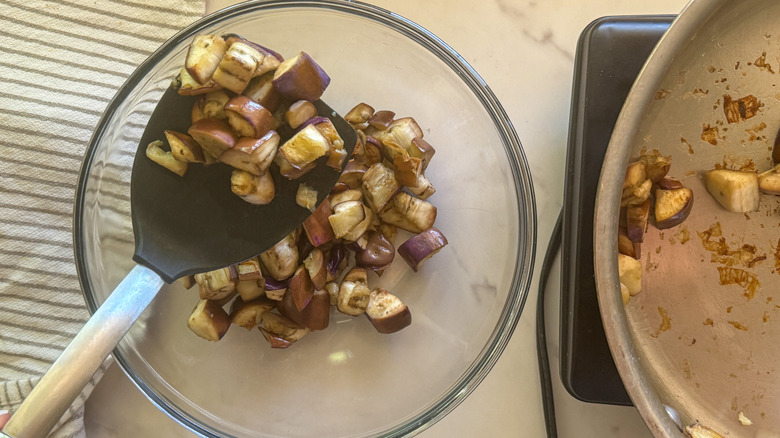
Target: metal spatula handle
[49, 400]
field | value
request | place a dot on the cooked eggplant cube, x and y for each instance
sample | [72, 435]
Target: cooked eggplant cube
[261, 90]
[735, 190]
[630, 273]
[386, 312]
[209, 321]
[421, 247]
[253, 155]
[258, 190]
[237, 66]
[217, 284]
[281, 260]
[306, 197]
[672, 207]
[280, 331]
[346, 216]
[378, 253]
[301, 287]
[300, 78]
[305, 147]
[247, 313]
[184, 148]
[317, 226]
[248, 118]
[317, 267]
[409, 213]
[165, 158]
[353, 297]
[379, 186]
[215, 136]
[299, 112]
[204, 55]
[315, 316]
[186, 85]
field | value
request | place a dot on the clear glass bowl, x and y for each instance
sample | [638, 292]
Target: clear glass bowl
[347, 380]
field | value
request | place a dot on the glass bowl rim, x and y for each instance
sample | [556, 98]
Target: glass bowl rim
[524, 192]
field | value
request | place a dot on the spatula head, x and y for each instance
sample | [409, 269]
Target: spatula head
[190, 224]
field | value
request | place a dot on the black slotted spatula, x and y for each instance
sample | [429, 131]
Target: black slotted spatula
[182, 225]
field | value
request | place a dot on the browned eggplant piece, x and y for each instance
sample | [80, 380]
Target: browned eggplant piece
[280, 331]
[317, 266]
[421, 247]
[209, 320]
[769, 181]
[399, 135]
[332, 288]
[317, 227]
[184, 148]
[353, 174]
[204, 55]
[215, 136]
[637, 217]
[386, 312]
[251, 284]
[636, 186]
[409, 213]
[627, 246]
[359, 115]
[289, 171]
[281, 260]
[299, 112]
[735, 190]
[217, 284]
[301, 287]
[315, 316]
[337, 261]
[406, 169]
[247, 314]
[253, 155]
[346, 216]
[372, 151]
[672, 207]
[423, 150]
[306, 197]
[305, 147]
[656, 165]
[258, 190]
[165, 159]
[669, 184]
[186, 85]
[261, 90]
[275, 290]
[300, 78]
[423, 189]
[379, 186]
[381, 119]
[378, 253]
[237, 66]
[630, 273]
[354, 292]
[345, 195]
[248, 118]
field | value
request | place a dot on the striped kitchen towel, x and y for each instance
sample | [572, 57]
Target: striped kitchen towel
[61, 62]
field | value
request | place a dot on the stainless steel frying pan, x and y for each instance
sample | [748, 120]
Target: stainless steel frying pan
[698, 339]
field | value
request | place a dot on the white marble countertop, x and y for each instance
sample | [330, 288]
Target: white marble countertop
[524, 49]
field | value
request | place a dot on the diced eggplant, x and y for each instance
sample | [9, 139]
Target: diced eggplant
[379, 186]
[372, 151]
[217, 284]
[258, 190]
[332, 288]
[421, 247]
[281, 260]
[656, 165]
[317, 267]
[386, 312]
[249, 269]
[306, 197]
[346, 195]
[672, 207]
[315, 316]
[209, 320]
[337, 262]
[203, 56]
[184, 148]
[423, 150]
[627, 246]
[253, 155]
[400, 134]
[735, 190]
[409, 213]
[697, 430]
[406, 169]
[299, 112]
[317, 227]
[275, 290]
[248, 118]
[353, 173]
[769, 181]
[637, 217]
[215, 136]
[354, 293]
[381, 120]
[280, 331]
[300, 78]
[630, 273]
[247, 313]
[423, 189]
[359, 114]
[289, 171]
[305, 147]
[301, 287]
[636, 185]
[261, 90]
[214, 104]
[186, 85]
[378, 253]
[237, 66]
[346, 216]
[165, 158]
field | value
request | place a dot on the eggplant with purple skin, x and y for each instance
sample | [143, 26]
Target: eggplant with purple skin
[315, 316]
[184, 148]
[274, 289]
[215, 136]
[280, 331]
[301, 287]
[204, 56]
[672, 206]
[209, 320]
[253, 155]
[378, 253]
[248, 313]
[281, 260]
[421, 247]
[237, 66]
[251, 284]
[303, 148]
[261, 90]
[353, 293]
[300, 78]
[248, 118]
[386, 312]
[258, 190]
[217, 284]
[317, 267]
[637, 217]
[317, 227]
[627, 246]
